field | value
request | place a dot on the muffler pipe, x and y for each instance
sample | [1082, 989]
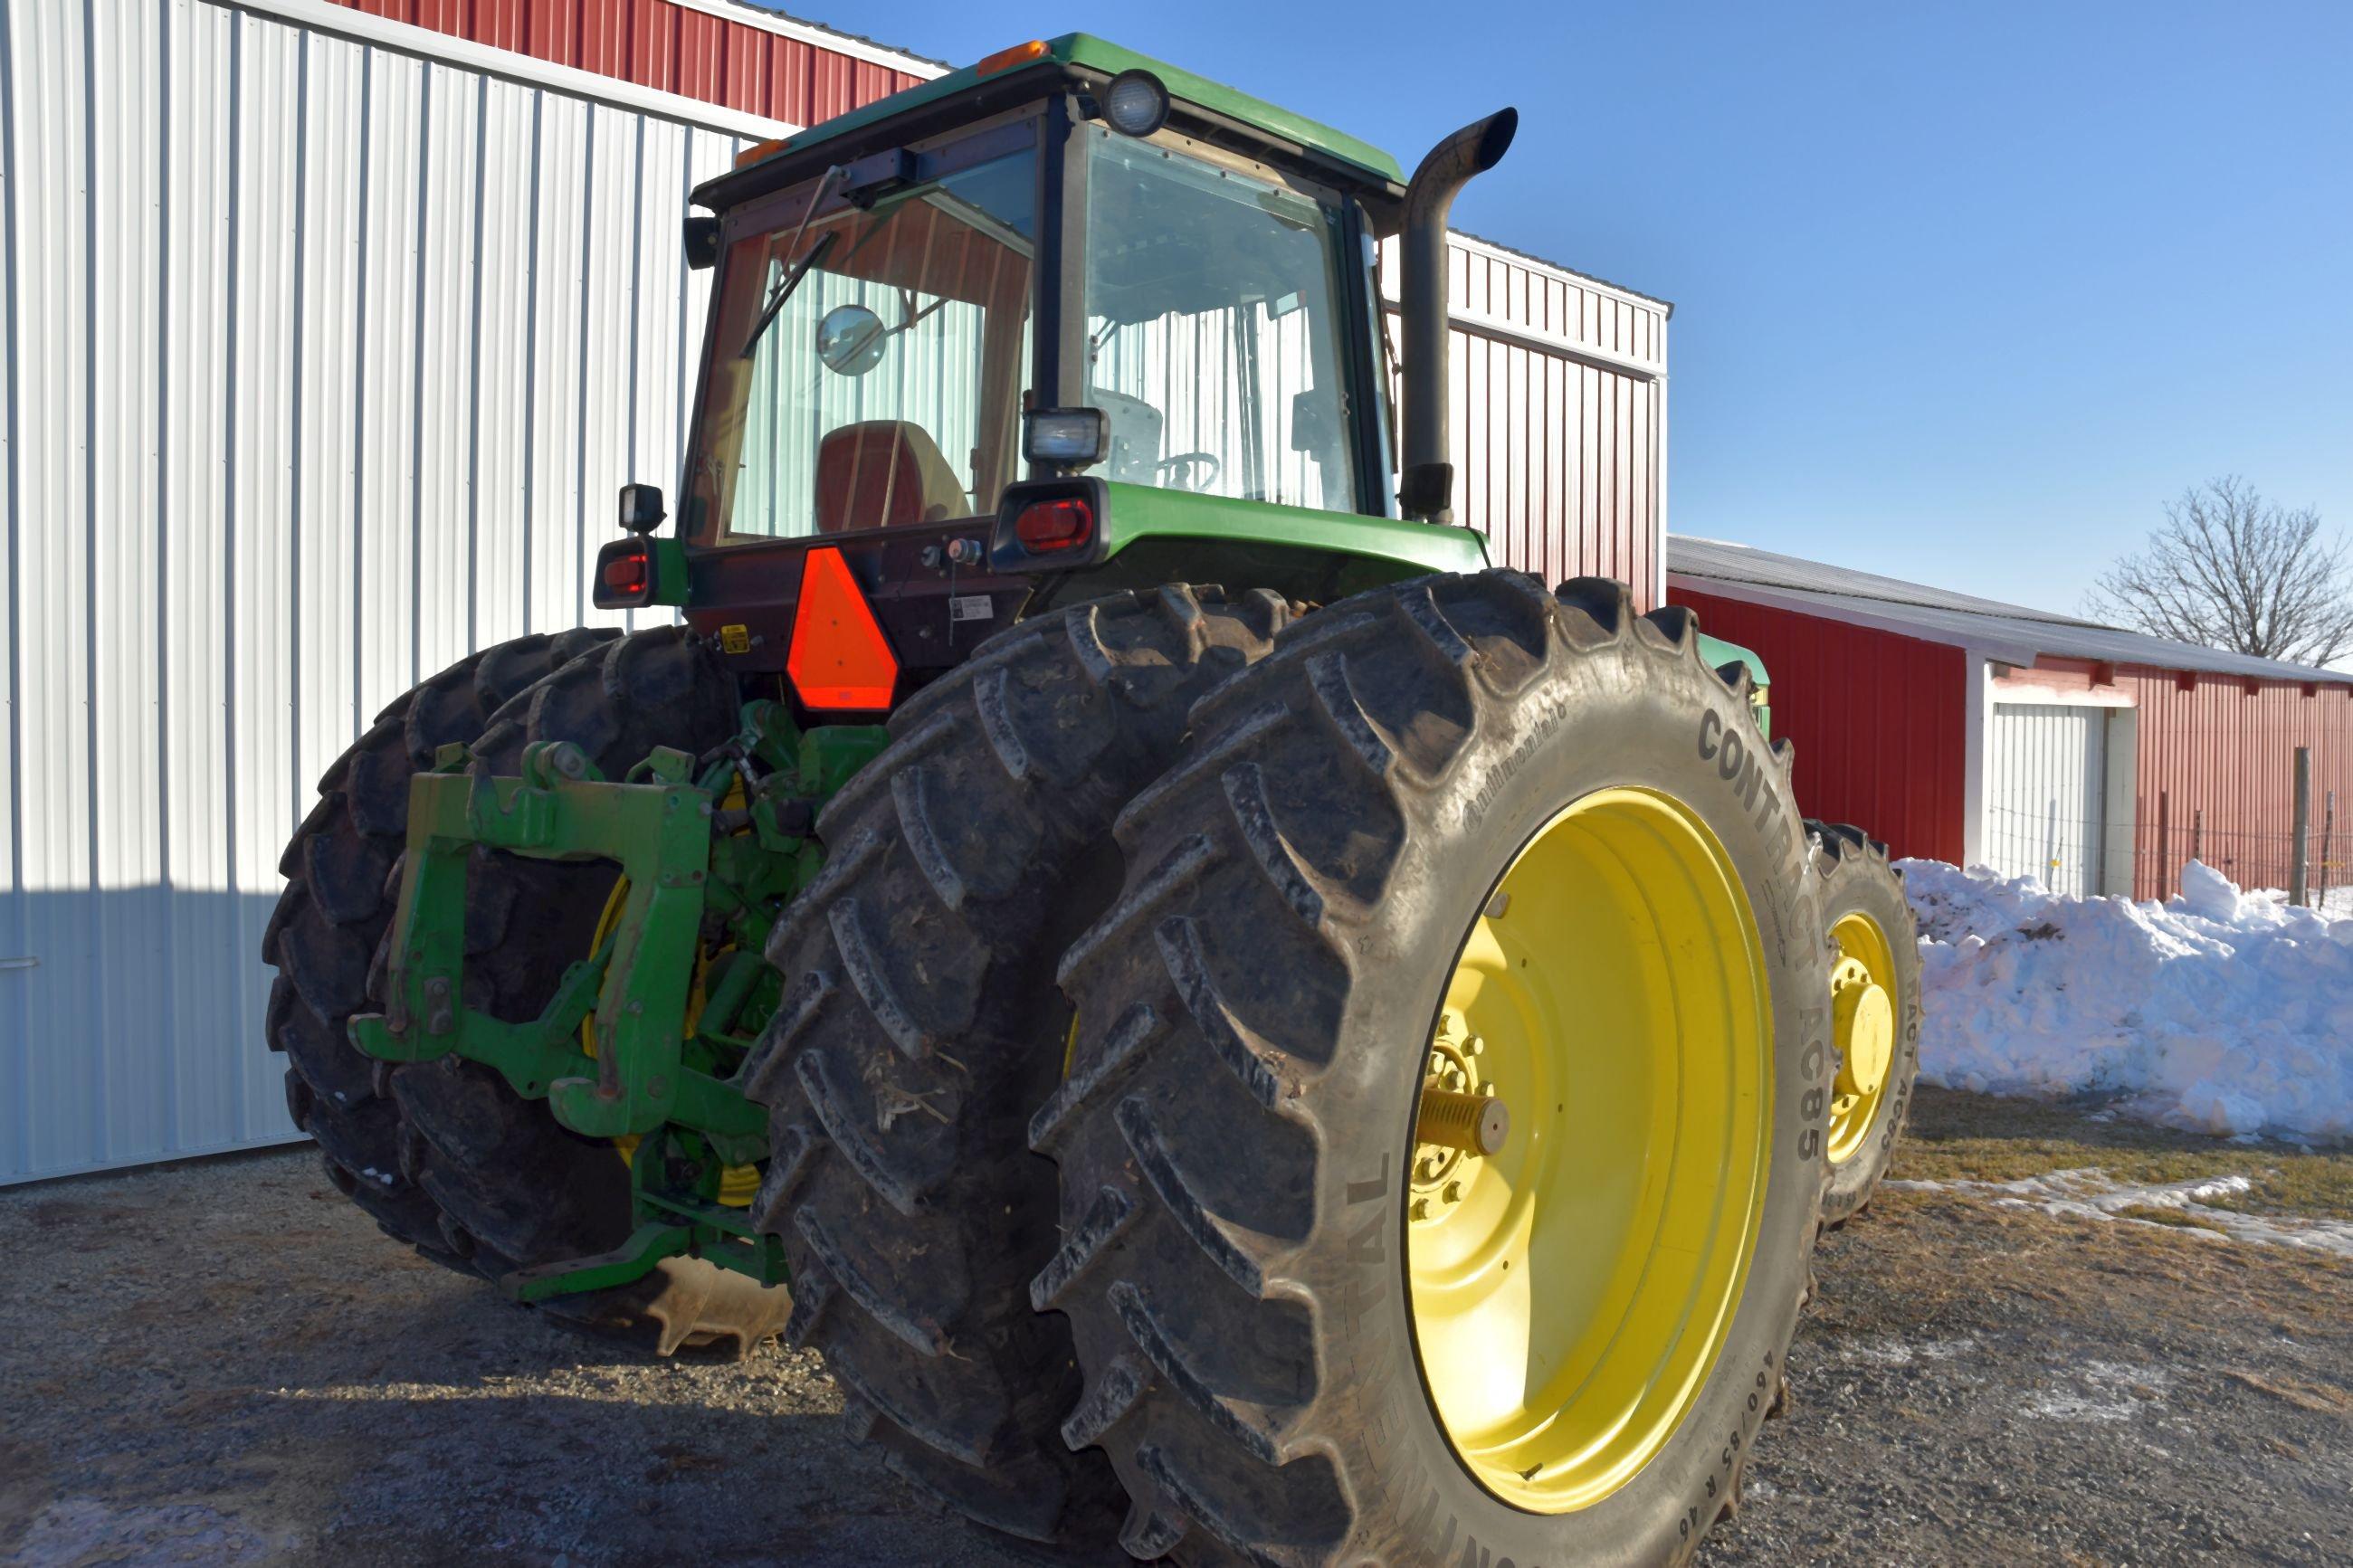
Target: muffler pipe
[1426, 473]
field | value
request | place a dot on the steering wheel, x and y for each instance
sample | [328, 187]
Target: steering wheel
[1191, 462]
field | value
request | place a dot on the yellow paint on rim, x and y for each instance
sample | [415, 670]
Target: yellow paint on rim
[1862, 1026]
[738, 1184]
[1572, 1293]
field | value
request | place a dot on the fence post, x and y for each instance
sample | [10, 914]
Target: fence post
[2198, 834]
[2327, 840]
[2301, 843]
[2164, 842]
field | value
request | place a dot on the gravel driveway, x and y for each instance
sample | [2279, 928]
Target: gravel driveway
[225, 1363]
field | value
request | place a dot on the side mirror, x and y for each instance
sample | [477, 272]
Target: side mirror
[642, 509]
[851, 340]
[702, 242]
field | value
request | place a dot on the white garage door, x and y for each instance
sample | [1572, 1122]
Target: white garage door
[2046, 794]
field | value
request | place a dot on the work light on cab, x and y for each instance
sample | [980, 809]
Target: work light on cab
[1065, 438]
[1135, 103]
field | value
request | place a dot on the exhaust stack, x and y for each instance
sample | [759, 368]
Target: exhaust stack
[1425, 478]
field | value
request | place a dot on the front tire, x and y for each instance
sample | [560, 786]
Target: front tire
[1247, 1266]
[1877, 1038]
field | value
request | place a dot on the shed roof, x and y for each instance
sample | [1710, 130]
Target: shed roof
[2010, 633]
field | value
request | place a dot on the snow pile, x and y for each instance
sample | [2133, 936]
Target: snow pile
[2218, 1010]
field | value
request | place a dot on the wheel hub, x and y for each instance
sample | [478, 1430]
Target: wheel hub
[1864, 1021]
[1443, 1170]
[1862, 1026]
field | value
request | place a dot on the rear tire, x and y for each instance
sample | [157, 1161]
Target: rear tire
[443, 1155]
[1858, 881]
[920, 1024]
[1236, 1134]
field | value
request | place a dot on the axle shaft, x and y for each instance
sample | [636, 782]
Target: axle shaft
[1473, 1123]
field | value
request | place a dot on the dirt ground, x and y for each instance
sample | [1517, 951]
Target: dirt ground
[225, 1363]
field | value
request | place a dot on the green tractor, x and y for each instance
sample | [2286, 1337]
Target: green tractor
[1347, 1065]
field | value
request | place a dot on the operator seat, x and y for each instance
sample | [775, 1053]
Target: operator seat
[881, 473]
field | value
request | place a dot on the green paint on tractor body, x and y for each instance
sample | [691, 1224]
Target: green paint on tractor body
[1387, 548]
[1717, 653]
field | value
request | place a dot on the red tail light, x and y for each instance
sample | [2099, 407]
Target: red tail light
[1066, 522]
[625, 574]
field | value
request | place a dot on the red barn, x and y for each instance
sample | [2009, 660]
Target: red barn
[1964, 730]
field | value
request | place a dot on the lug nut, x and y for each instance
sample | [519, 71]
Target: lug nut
[1452, 1192]
[1473, 1123]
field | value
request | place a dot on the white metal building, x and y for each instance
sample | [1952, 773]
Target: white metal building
[328, 338]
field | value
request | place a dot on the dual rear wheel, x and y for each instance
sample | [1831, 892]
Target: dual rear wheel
[444, 1154]
[1442, 1076]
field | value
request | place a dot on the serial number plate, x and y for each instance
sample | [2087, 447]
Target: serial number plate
[971, 608]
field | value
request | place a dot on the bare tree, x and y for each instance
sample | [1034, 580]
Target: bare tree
[2232, 570]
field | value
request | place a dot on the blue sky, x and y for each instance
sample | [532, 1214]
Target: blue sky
[1964, 293]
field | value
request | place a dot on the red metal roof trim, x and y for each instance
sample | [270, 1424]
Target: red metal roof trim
[667, 46]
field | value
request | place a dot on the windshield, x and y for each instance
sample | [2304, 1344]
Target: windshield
[1213, 304]
[867, 366]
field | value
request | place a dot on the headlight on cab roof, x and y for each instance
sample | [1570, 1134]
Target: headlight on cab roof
[1135, 103]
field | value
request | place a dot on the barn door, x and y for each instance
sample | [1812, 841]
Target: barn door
[2046, 794]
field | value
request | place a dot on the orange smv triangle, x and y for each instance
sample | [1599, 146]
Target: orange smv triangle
[839, 658]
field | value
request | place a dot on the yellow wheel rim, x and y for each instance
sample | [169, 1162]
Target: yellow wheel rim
[1571, 1290]
[738, 1184]
[1862, 1026]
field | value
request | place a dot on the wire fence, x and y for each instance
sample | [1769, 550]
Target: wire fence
[2075, 856]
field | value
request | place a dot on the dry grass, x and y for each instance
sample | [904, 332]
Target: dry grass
[1955, 1136]
[2317, 1397]
[2158, 1213]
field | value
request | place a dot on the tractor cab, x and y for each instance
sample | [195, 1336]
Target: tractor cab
[1027, 333]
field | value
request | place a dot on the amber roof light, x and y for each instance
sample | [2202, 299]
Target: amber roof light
[1006, 60]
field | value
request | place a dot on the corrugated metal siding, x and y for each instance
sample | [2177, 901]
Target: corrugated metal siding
[323, 362]
[675, 49]
[1880, 722]
[2229, 752]
[2046, 793]
[1558, 397]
